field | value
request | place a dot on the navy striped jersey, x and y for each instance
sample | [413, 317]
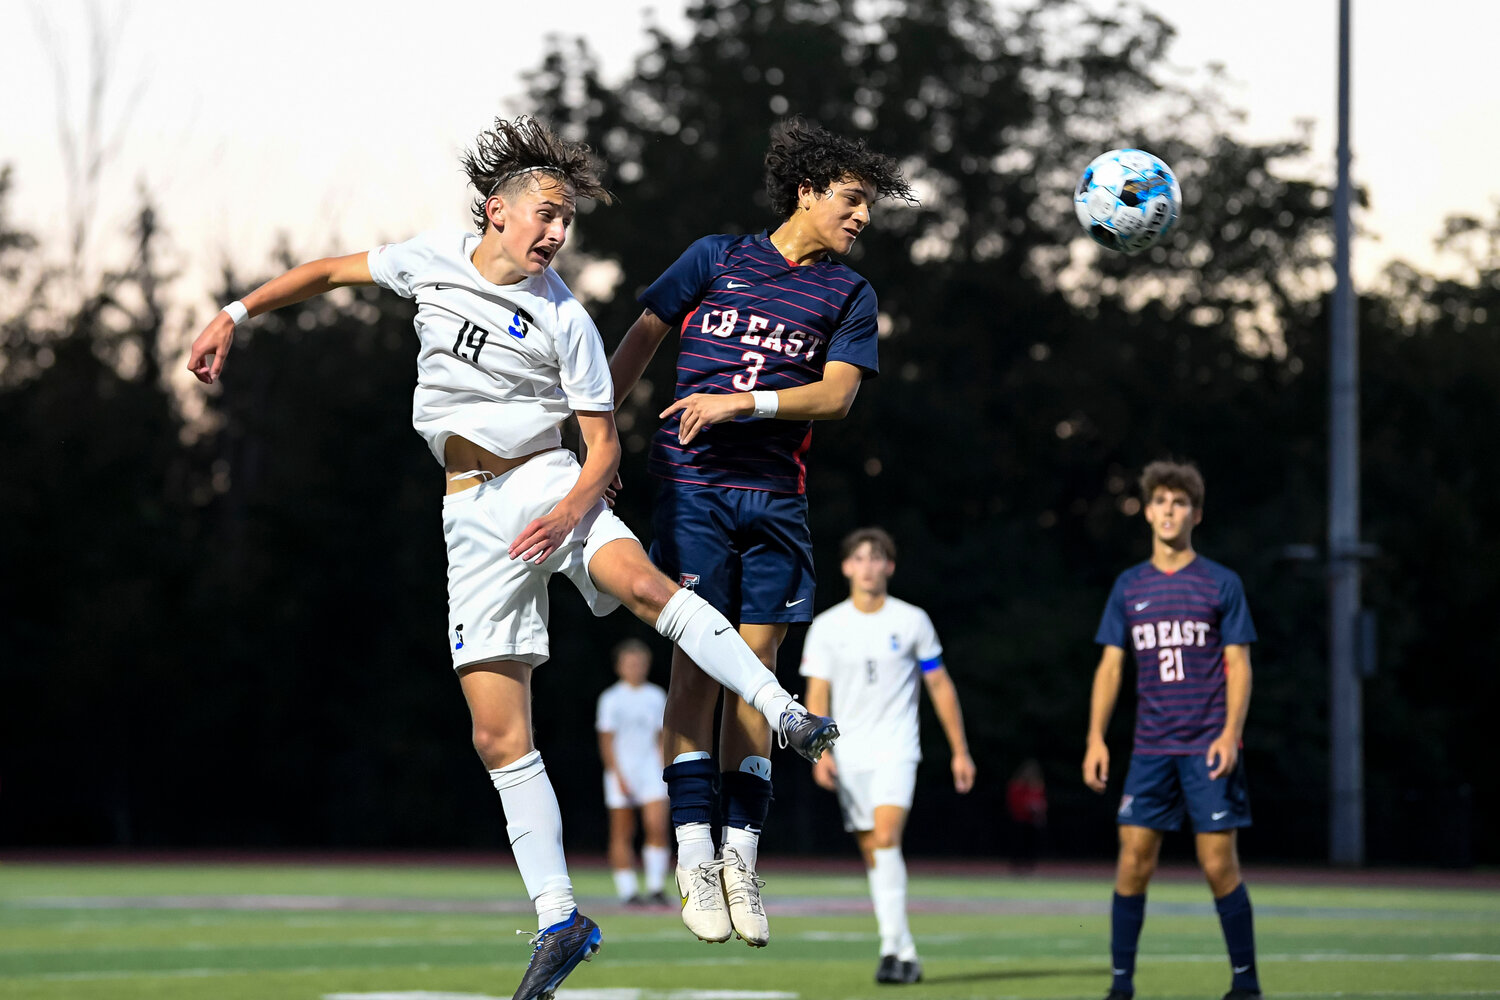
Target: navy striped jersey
[1178, 625]
[751, 319]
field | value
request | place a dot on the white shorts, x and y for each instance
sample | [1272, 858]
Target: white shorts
[497, 606]
[646, 785]
[887, 784]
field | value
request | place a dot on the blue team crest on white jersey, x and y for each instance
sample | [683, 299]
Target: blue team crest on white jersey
[895, 642]
[458, 638]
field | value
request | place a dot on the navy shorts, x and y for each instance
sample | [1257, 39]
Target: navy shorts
[1160, 788]
[746, 552]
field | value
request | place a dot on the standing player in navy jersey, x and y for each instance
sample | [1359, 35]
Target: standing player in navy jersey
[776, 333]
[1186, 618]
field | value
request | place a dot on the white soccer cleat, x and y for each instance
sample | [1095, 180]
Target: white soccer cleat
[703, 908]
[742, 892]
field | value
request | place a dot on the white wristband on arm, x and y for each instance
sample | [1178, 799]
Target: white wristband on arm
[766, 403]
[237, 312]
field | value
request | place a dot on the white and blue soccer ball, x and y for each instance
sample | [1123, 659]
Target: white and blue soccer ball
[1127, 199]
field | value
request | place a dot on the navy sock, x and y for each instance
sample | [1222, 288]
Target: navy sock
[1126, 915]
[1238, 920]
[747, 800]
[693, 789]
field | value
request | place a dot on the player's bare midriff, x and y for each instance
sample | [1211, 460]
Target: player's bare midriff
[461, 455]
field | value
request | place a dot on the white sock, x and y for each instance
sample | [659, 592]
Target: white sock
[625, 885]
[715, 646]
[534, 824]
[888, 891]
[745, 843]
[695, 844]
[655, 860]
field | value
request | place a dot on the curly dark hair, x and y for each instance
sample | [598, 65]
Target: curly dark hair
[803, 151]
[1174, 475]
[510, 155]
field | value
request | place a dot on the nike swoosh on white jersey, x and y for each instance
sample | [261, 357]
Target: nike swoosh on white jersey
[1218, 816]
[1143, 605]
[793, 604]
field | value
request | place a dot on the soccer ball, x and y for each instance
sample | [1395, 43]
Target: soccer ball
[1127, 199]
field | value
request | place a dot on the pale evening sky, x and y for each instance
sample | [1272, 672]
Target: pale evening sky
[339, 124]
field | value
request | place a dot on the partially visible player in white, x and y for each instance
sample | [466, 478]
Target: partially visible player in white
[864, 655]
[505, 355]
[629, 725]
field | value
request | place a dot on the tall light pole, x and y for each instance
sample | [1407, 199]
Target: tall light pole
[1346, 803]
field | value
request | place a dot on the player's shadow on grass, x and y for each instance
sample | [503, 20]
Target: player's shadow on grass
[990, 975]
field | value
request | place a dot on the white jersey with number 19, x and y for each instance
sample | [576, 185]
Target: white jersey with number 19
[499, 365]
[871, 662]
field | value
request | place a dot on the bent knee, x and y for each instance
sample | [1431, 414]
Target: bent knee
[647, 591]
[498, 746]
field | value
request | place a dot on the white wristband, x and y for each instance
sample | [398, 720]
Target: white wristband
[237, 312]
[766, 403]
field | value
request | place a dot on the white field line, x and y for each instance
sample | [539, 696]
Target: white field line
[1263, 960]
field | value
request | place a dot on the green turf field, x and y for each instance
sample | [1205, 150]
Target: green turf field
[370, 932]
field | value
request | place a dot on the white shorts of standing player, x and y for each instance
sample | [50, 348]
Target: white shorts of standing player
[890, 783]
[646, 785]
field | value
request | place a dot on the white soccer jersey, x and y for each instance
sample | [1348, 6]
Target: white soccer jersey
[499, 365]
[872, 663]
[633, 715]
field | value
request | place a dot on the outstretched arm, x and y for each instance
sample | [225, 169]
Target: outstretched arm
[543, 536]
[945, 703]
[1101, 707]
[827, 399]
[211, 346]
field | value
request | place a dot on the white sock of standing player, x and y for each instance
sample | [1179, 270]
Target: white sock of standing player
[534, 823]
[716, 647]
[625, 884]
[888, 892]
[656, 861]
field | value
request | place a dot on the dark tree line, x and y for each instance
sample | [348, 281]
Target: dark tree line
[230, 631]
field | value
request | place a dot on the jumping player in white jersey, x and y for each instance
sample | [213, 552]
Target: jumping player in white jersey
[505, 356]
[864, 655]
[628, 721]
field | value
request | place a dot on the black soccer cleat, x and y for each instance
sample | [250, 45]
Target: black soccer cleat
[1239, 994]
[894, 970]
[806, 733]
[555, 951]
[1119, 995]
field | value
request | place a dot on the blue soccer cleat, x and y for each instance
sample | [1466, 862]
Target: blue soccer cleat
[556, 950]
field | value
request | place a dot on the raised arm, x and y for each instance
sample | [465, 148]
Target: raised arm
[211, 347]
[945, 703]
[635, 353]
[827, 399]
[1224, 752]
[1101, 707]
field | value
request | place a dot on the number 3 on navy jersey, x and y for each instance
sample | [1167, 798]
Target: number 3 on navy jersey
[472, 337]
[745, 380]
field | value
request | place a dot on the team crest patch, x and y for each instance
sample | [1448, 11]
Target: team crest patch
[688, 581]
[1125, 803]
[458, 638]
